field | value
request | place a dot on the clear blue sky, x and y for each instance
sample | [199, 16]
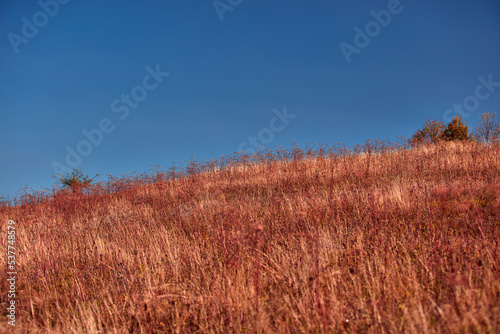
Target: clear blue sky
[233, 66]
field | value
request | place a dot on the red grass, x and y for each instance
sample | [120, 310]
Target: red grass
[314, 240]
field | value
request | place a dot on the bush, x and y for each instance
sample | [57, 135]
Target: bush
[430, 133]
[76, 180]
[456, 130]
[434, 131]
[488, 129]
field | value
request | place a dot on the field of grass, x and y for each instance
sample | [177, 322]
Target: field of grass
[300, 241]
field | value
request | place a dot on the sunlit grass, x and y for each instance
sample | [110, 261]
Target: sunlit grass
[382, 239]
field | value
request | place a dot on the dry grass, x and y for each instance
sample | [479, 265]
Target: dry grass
[385, 241]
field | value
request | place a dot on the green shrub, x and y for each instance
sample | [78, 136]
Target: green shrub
[76, 180]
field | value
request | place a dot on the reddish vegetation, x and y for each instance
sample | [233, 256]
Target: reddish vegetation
[324, 240]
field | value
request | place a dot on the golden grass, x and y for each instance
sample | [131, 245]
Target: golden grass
[398, 241]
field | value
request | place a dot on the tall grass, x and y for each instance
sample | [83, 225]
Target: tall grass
[376, 239]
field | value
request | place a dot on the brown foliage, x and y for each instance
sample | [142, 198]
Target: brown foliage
[385, 240]
[431, 132]
[488, 129]
[435, 131]
[456, 130]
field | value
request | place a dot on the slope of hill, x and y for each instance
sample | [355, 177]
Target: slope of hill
[398, 241]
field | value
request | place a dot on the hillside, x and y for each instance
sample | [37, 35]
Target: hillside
[403, 240]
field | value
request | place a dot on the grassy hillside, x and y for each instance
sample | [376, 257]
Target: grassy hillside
[385, 241]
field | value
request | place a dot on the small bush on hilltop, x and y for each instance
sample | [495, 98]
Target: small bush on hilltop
[75, 181]
[457, 130]
[434, 131]
[488, 129]
[431, 132]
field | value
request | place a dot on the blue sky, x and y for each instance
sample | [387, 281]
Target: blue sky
[273, 70]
